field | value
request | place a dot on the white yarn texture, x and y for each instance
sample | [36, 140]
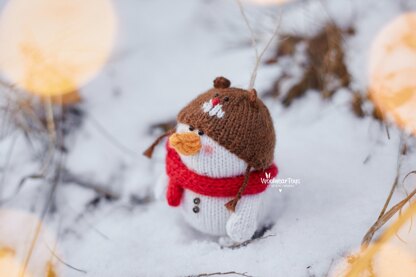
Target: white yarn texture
[213, 218]
[219, 164]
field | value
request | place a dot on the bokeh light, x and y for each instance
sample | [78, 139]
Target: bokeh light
[9, 265]
[52, 47]
[393, 71]
[17, 232]
[392, 254]
[395, 259]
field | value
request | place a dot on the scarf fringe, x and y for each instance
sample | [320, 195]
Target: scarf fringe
[231, 205]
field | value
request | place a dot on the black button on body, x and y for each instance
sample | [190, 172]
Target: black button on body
[195, 209]
[197, 201]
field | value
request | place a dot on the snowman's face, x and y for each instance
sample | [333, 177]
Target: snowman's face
[205, 156]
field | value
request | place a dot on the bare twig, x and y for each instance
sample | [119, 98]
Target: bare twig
[254, 43]
[7, 162]
[380, 219]
[20, 185]
[221, 273]
[46, 208]
[50, 120]
[60, 161]
[63, 262]
[247, 22]
[387, 130]
[329, 267]
[258, 60]
[69, 177]
[408, 174]
[407, 194]
[364, 261]
[112, 139]
[383, 219]
[393, 188]
[247, 242]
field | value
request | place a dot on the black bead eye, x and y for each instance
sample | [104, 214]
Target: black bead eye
[216, 95]
[200, 132]
[191, 128]
[226, 98]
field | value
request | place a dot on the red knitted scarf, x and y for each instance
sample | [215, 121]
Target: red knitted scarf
[180, 178]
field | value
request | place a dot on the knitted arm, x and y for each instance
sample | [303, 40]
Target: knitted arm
[243, 222]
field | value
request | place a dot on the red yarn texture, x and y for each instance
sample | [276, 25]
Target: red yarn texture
[180, 178]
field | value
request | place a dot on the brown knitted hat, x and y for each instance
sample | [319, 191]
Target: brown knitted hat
[239, 121]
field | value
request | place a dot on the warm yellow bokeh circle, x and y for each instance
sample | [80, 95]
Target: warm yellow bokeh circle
[10, 266]
[52, 47]
[393, 71]
[18, 230]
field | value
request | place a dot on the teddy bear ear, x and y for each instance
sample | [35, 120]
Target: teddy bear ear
[252, 95]
[221, 82]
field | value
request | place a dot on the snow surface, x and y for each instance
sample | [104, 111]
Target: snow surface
[167, 52]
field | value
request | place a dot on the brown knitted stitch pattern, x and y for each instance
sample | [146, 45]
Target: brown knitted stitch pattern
[246, 129]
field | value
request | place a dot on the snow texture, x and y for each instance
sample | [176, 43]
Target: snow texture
[168, 52]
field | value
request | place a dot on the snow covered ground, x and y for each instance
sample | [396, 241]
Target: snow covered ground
[168, 52]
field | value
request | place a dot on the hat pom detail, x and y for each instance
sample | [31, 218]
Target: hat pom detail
[221, 82]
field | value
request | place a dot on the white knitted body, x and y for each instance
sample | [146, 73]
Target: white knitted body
[212, 217]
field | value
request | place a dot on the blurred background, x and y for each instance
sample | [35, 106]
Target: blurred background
[86, 86]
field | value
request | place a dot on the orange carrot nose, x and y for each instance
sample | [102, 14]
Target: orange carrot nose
[215, 101]
[185, 143]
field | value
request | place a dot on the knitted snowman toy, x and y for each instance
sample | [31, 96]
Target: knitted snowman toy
[219, 160]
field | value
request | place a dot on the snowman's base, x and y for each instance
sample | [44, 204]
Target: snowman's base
[210, 216]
